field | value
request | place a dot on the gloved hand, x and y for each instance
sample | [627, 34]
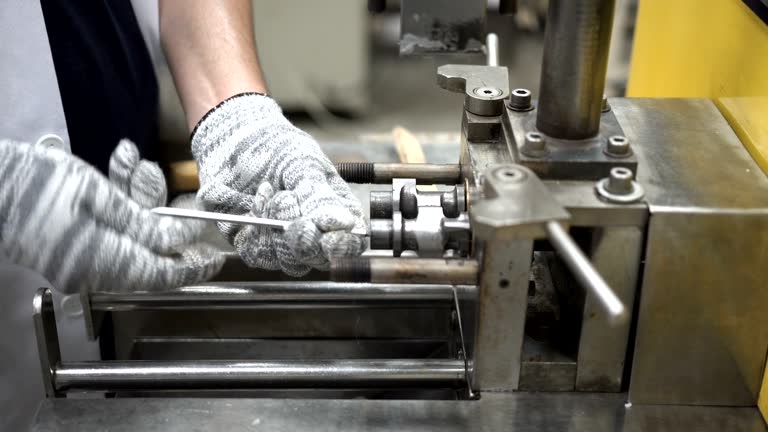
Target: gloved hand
[252, 160]
[61, 217]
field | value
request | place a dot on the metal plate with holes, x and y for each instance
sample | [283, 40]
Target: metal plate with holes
[565, 159]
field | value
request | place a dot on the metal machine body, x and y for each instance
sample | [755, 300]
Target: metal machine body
[602, 274]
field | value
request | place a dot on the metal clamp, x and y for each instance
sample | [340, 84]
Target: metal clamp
[519, 205]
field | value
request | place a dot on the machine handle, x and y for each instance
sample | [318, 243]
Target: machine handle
[585, 273]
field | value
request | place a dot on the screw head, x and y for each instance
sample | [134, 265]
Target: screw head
[488, 92]
[534, 146]
[618, 146]
[520, 100]
[510, 174]
[620, 181]
[619, 187]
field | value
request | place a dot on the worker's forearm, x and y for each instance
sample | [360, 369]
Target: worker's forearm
[211, 50]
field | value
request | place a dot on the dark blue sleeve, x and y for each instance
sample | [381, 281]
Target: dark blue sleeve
[105, 75]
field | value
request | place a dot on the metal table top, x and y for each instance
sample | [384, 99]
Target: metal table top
[508, 412]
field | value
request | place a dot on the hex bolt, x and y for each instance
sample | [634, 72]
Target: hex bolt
[520, 100]
[618, 146]
[605, 107]
[534, 145]
[620, 181]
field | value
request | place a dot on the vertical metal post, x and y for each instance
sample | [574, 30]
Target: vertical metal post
[503, 299]
[603, 343]
[492, 47]
[576, 45]
[47, 338]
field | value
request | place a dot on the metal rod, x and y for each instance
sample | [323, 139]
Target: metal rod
[383, 173]
[222, 374]
[235, 219]
[576, 45]
[585, 273]
[253, 295]
[405, 270]
[492, 45]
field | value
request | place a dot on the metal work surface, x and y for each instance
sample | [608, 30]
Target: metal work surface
[689, 156]
[498, 412]
[702, 330]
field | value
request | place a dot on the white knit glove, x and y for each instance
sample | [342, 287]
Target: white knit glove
[252, 160]
[61, 217]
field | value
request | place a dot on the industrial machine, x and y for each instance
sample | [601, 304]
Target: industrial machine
[586, 264]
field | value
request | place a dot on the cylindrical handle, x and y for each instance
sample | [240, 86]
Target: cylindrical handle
[584, 272]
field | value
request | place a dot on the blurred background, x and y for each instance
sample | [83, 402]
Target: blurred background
[336, 70]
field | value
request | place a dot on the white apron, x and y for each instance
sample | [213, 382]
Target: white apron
[31, 111]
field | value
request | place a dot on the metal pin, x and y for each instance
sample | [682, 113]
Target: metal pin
[235, 219]
[584, 272]
[492, 45]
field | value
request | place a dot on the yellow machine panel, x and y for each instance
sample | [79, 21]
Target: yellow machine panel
[711, 48]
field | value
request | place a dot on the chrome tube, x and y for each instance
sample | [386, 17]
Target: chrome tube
[576, 45]
[152, 375]
[256, 295]
[585, 272]
[492, 47]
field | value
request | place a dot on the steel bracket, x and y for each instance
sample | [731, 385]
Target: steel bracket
[516, 204]
[567, 159]
[484, 87]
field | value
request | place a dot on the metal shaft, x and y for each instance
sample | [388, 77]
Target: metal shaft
[492, 45]
[405, 270]
[383, 173]
[148, 375]
[254, 295]
[584, 272]
[235, 219]
[576, 45]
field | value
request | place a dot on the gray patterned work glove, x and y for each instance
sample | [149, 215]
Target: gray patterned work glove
[61, 217]
[252, 160]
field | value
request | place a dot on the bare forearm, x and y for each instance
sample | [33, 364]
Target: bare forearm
[211, 51]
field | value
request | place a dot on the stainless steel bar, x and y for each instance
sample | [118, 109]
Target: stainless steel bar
[406, 270]
[151, 375]
[383, 173]
[585, 273]
[492, 47]
[254, 295]
[576, 45]
[235, 219]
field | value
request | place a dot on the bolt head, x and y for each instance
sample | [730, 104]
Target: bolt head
[620, 181]
[520, 99]
[534, 146]
[618, 146]
[510, 174]
[489, 92]
[605, 107]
